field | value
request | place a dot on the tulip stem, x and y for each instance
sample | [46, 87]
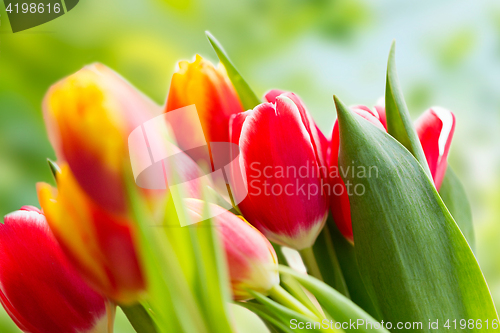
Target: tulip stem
[280, 295]
[310, 262]
[111, 313]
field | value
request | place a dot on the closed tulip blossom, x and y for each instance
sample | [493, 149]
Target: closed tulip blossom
[251, 259]
[39, 289]
[435, 129]
[282, 163]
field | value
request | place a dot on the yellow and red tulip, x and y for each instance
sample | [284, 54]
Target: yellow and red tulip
[39, 288]
[99, 243]
[89, 116]
[252, 261]
[435, 129]
[277, 136]
[213, 94]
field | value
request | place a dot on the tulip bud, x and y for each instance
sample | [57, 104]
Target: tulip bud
[215, 98]
[98, 242]
[435, 129]
[39, 288]
[251, 259]
[89, 116]
[281, 161]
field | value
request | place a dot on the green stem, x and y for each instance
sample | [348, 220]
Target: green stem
[336, 270]
[279, 253]
[296, 290]
[280, 295]
[310, 262]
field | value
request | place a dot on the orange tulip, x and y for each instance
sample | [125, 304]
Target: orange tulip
[211, 91]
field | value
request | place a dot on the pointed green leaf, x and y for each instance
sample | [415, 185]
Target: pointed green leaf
[247, 97]
[453, 194]
[139, 318]
[412, 256]
[399, 123]
[340, 308]
[54, 168]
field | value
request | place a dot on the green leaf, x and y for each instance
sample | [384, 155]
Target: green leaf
[139, 318]
[285, 314]
[213, 275]
[453, 194]
[247, 97]
[267, 317]
[297, 291]
[399, 123]
[169, 294]
[412, 256]
[340, 308]
[54, 168]
[279, 254]
[324, 251]
[350, 270]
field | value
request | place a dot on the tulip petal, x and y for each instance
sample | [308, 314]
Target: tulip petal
[89, 116]
[435, 129]
[98, 243]
[267, 136]
[318, 139]
[339, 202]
[252, 261]
[39, 288]
[210, 90]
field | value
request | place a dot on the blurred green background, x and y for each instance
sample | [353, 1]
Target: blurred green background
[448, 54]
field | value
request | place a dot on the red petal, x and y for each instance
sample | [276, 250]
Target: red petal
[39, 288]
[276, 137]
[271, 95]
[318, 139]
[435, 129]
[339, 199]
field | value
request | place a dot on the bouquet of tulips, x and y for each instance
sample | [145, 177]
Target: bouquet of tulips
[220, 199]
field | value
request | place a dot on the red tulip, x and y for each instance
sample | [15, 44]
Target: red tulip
[435, 129]
[282, 163]
[339, 202]
[251, 259]
[39, 288]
